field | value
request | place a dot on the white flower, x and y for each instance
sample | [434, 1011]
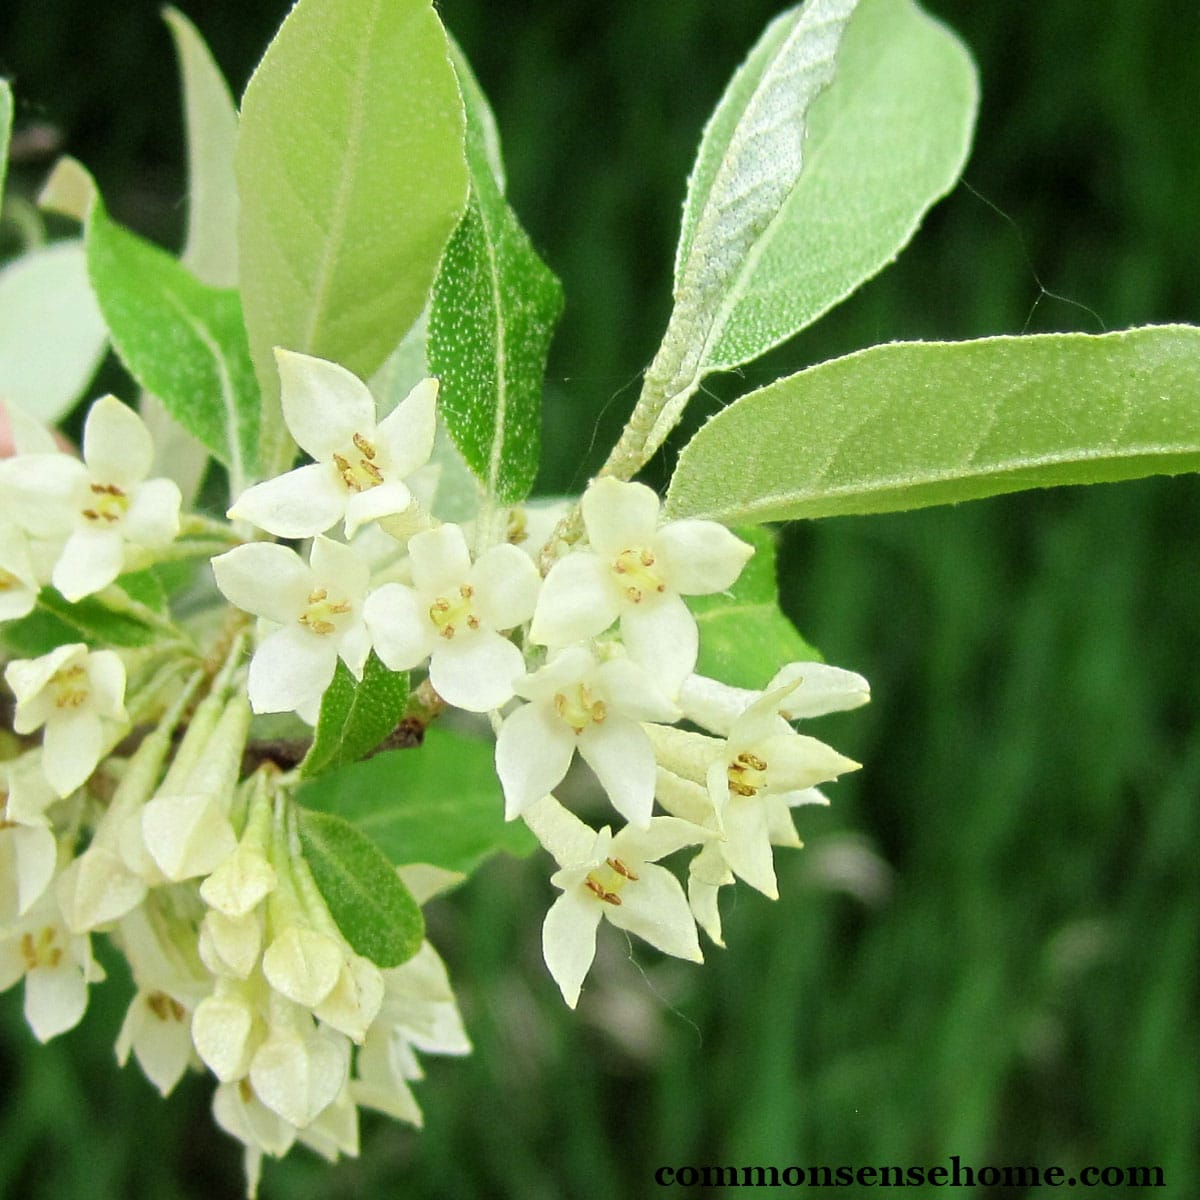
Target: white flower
[578, 703]
[618, 879]
[637, 572]
[360, 466]
[73, 692]
[157, 1031]
[104, 504]
[57, 967]
[318, 608]
[762, 770]
[453, 615]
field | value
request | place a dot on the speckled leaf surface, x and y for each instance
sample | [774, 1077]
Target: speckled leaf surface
[912, 424]
[495, 305]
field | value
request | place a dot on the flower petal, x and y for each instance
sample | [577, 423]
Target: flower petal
[264, 578]
[386, 500]
[71, 749]
[304, 502]
[292, 667]
[619, 516]
[819, 689]
[747, 845]
[700, 557]
[661, 636]
[569, 940]
[153, 516]
[533, 751]
[632, 690]
[654, 907]
[506, 587]
[90, 560]
[106, 678]
[621, 755]
[55, 999]
[407, 432]
[476, 671]
[116, 444]
[577, 601]
[340, 568]
[324, 405]
[440, 560]
[399, 626]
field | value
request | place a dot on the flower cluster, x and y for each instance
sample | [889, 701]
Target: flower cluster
[133, 809]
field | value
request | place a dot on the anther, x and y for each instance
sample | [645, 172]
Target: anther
[317, 595]
[364, 446]
[620, 868]
[601, 892]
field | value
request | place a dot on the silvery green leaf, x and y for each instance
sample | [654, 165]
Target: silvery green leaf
[885, 140]
[912, 424]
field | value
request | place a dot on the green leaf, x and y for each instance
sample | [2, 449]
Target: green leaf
[885, 140]
[92, 622]
[355, 716]
[146, 588]
[495, 305]
[180, 339]
[374, 910]
[918, 423]
[210, 117]
[52, 335]
[440, 803]
[352, 177]
[37, 633]
[744, 636]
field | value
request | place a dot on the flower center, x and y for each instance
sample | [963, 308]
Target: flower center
[747, 774]
[578, 709]
[108, 504]
[42, 950]
[450, 616]
[318, 616]
[357, 467]
[637, 579]
[69, 687]
[606, 882]
[165, 1008]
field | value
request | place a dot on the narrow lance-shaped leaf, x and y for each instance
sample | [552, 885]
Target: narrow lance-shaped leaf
[495, 304]
[912, 424]
[885, 140]
[750, 158]
[211, 121]
[352, 177]
[180, 339]
[374, 910]
[356, 715]
[439, 803]
[744, 634]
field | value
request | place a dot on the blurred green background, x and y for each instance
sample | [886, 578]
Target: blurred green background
[990, 946]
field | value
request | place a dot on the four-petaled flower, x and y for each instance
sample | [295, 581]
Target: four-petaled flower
[73, 692]
[637, 571]
[452, 615]
[618, 878]
[595, 707]
[104, 505]
[318, 608]
[360, 466]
